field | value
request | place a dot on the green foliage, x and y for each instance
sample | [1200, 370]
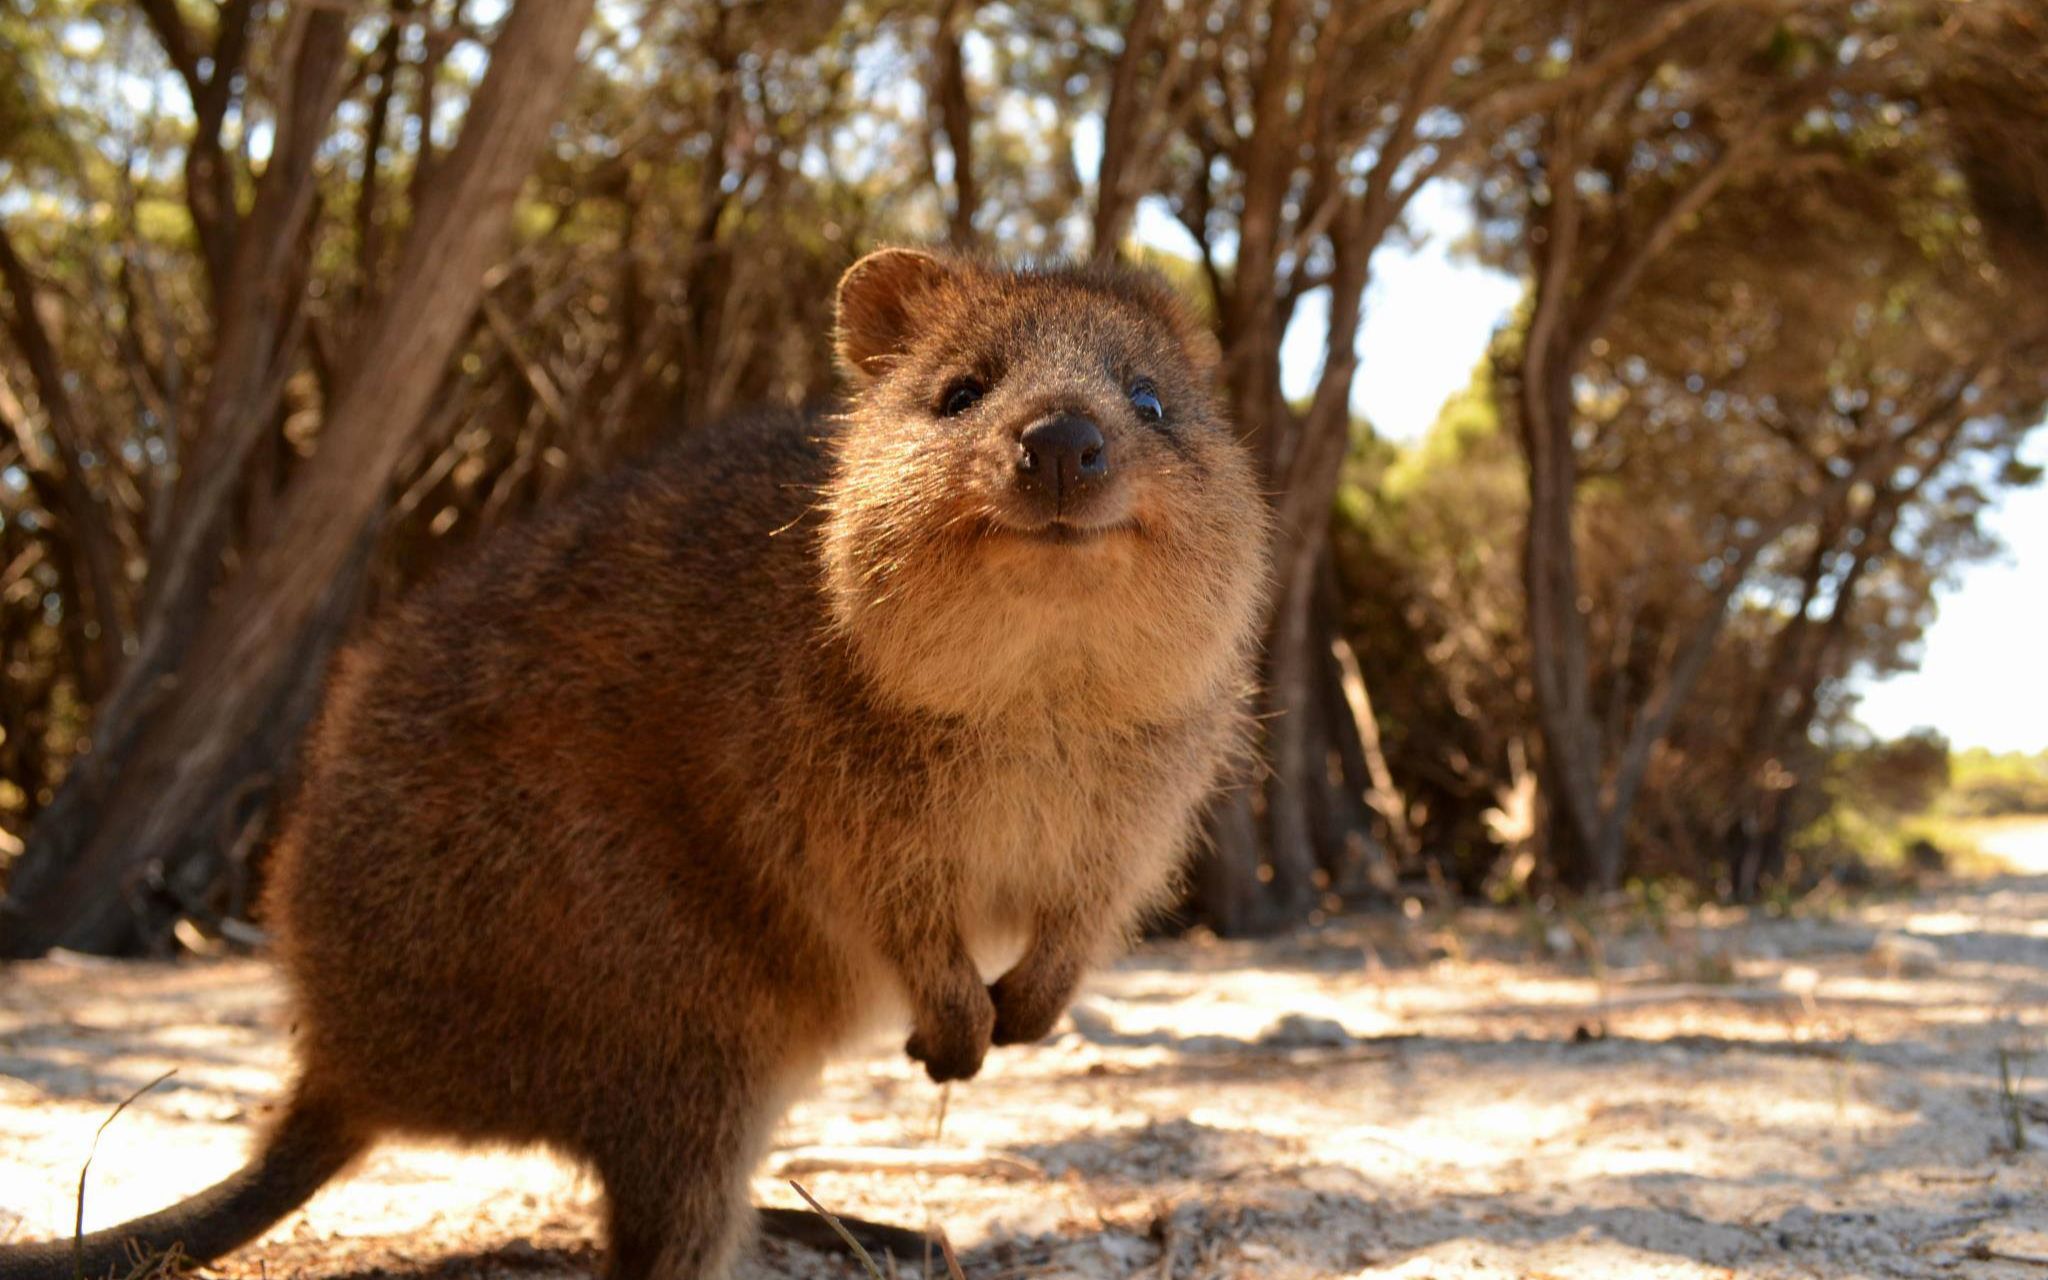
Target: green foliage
[1895, 777]
[1909, 805]
[1985, 784]
[1425, 542]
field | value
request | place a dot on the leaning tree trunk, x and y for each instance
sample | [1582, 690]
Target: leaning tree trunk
[274, 624]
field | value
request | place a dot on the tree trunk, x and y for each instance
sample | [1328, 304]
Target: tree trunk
[1225, 891]
[256, 643]
[1356, 859]
[1117, 186]
[1557, 630]
[1290, 671]
[956, 117]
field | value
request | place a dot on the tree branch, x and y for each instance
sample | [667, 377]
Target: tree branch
[1548, 95]
[1117, 185]
[90, 520]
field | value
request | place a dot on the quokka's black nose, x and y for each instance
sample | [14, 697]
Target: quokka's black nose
[1060, 457]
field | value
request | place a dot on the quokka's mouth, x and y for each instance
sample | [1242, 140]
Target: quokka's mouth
[1067, 533]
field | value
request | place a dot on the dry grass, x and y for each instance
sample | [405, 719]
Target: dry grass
[145, 1265]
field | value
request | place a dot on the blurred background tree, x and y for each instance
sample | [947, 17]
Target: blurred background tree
[298, 301]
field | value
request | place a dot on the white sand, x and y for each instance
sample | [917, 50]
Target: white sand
[1770, 1098]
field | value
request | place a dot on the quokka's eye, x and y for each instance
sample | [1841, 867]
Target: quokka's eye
[960, 397]
[1145, 399]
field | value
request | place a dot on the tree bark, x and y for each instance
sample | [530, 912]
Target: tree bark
[1226, 893]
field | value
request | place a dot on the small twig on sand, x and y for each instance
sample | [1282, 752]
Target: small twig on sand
[78, 1220]
[147, 1266]
[953, 1270]
[874, 1272]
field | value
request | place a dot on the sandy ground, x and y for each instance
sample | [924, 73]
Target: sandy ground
[1473, 1096]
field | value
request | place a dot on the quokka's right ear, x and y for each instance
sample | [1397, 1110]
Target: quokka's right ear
[879, 297]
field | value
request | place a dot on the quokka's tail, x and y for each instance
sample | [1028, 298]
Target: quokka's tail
[307, 1148]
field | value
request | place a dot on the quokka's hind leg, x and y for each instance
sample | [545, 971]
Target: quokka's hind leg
[676, 1187]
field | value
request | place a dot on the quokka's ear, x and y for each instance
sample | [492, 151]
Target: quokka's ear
[1200, 340]
[879, 299]
[1195, 335]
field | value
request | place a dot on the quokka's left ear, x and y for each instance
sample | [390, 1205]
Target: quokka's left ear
[880, 298]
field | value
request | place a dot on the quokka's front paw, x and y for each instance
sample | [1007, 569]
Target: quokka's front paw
[1025, 1011]
[952, 1041]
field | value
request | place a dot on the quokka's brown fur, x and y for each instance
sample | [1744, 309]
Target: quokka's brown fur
[807, 728]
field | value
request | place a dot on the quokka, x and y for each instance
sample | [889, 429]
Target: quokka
[814, 725]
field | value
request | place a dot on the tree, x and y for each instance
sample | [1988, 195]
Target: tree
[243, 398]
[1297, 135]
[1780, 444]
[1605, 180]
[242, 663]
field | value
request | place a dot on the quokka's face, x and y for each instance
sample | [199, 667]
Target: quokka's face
[1035, 467]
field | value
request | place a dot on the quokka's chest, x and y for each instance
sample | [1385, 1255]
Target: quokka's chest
[1041, 812]
[1016, 812]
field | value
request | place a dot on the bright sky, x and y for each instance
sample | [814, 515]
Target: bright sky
[1983, 678]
